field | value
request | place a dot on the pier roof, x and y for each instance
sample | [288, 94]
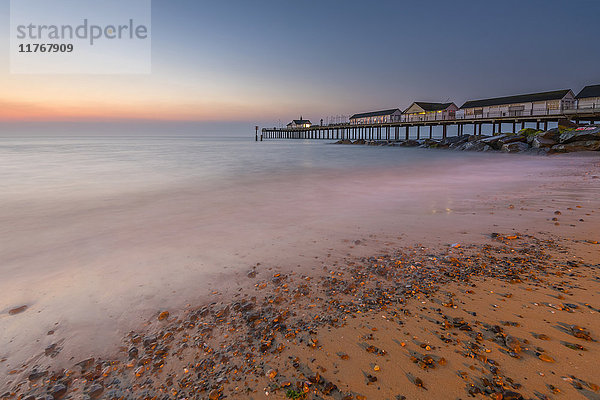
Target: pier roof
[431, 106]
[522, 98]
[375, 113]
[589, 91]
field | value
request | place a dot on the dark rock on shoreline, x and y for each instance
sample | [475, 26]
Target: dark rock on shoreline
[586, 145]
[589, 133]
[568, 137]
[515, 147]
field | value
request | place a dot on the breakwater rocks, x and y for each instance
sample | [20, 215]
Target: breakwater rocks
[556, 140]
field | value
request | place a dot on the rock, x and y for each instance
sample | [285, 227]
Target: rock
[95, 391]
[587, 145]
[528, 132]
[512, 139]
[133, 352]
[493, 141]
[271, 373]
[473, 138]
[163, 315]
[475, 146]
[540, 142]
[540, 151]
[515, 147]
[513, 344]
[35, 375]
[150, 341]
[359, 141]
[509, 395]
[458, 145]
[567, 124]
[85, 364]
[580, 333]
[591, 132]
[17, 310]
[546, 358]
[58, 391]
[552, 134]
[455, 140]
[430, 143]
[410, 143]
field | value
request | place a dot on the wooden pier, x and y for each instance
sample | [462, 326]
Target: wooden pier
[423, 129]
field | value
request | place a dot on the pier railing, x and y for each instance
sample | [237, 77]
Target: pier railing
[594, 108]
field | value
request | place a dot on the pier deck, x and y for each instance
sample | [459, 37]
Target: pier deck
[402, 129]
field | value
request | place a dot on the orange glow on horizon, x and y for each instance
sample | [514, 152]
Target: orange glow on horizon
[23, 111]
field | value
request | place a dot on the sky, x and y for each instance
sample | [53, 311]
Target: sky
[246, 63]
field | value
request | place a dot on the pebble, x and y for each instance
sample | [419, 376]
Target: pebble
[17, 310]
[58, 391]
[272, 373]
[163, 315]
[95, 390]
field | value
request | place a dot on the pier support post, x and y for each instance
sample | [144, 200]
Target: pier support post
[545, 125]
[407, 132]
[418, 132]
[522, 124]
[480, 128]
[444, 131]
[514, 126]
[537, 125]
[430, 131]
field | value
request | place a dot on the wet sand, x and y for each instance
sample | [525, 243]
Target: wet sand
[514, 317]
[503, 298]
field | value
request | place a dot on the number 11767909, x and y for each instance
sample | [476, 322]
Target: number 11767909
[45, 48]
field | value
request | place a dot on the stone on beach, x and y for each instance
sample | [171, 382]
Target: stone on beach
[17, 310]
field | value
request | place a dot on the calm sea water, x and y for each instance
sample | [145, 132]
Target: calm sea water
[97, 234]
[82, 166]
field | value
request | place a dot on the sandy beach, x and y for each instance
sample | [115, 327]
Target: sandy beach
[299, 200]
[497, 299]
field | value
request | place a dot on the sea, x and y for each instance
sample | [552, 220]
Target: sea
[98, 234]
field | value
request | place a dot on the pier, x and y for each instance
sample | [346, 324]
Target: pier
[405, 130]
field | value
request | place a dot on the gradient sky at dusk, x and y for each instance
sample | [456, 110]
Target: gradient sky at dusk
[258, 62]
